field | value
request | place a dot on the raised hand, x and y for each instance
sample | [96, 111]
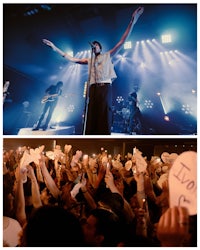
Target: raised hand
[48, 43]
[67, 148]
[76, 158]
[173, 227]
[109, 179]
[137, 13]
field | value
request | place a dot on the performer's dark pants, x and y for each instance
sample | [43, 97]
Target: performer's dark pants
[99, 115]
[48, 107]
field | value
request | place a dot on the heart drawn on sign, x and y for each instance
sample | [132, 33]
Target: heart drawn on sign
[183, 201]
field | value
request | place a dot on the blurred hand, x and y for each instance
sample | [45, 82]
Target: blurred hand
[173, 227]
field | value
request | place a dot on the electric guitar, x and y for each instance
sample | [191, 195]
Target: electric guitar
[51, 98]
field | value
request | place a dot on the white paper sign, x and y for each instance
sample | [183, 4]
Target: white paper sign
[183, 182]
[140, 161]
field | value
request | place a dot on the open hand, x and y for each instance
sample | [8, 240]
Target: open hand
[47, 42]
[173, 227]
[137, 13]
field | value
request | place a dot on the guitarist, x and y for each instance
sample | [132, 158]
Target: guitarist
[50, 100]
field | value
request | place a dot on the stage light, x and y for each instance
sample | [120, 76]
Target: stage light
[166, 38]
[186, 109]
[85, 90]
[128, 45]
[123, 58]
[166, 118]
[70, 108]
[119, 99]
[148, 104]
[45, 7]
[162, 102]
[71, 53]
[142, 65]
[35, 11]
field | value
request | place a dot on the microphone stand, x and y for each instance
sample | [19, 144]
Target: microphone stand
[87, 93]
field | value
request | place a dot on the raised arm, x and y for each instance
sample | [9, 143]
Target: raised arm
[19, 197]
[35, 192]
[109, 180]
[136, 14]
[51, 185]
[65, 55]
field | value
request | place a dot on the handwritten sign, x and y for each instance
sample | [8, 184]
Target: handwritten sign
[183, 182]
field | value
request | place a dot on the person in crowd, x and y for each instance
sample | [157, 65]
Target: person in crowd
[98, 112]
[11, 226]
[52, 226]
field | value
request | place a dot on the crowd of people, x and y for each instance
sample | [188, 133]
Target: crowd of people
[69, 199]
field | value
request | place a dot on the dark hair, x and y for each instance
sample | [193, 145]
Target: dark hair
[60, 83]
[53, 226]
[98, 44]
[109, 225]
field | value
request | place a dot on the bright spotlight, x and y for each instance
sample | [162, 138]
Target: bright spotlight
[166, 118]
[71, 53]
[128, 45]
[122, 58]
[166, 38]
[142, 65]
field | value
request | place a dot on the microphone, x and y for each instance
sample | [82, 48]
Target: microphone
[92, 45]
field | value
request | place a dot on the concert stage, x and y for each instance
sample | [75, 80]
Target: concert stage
[69, 130]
